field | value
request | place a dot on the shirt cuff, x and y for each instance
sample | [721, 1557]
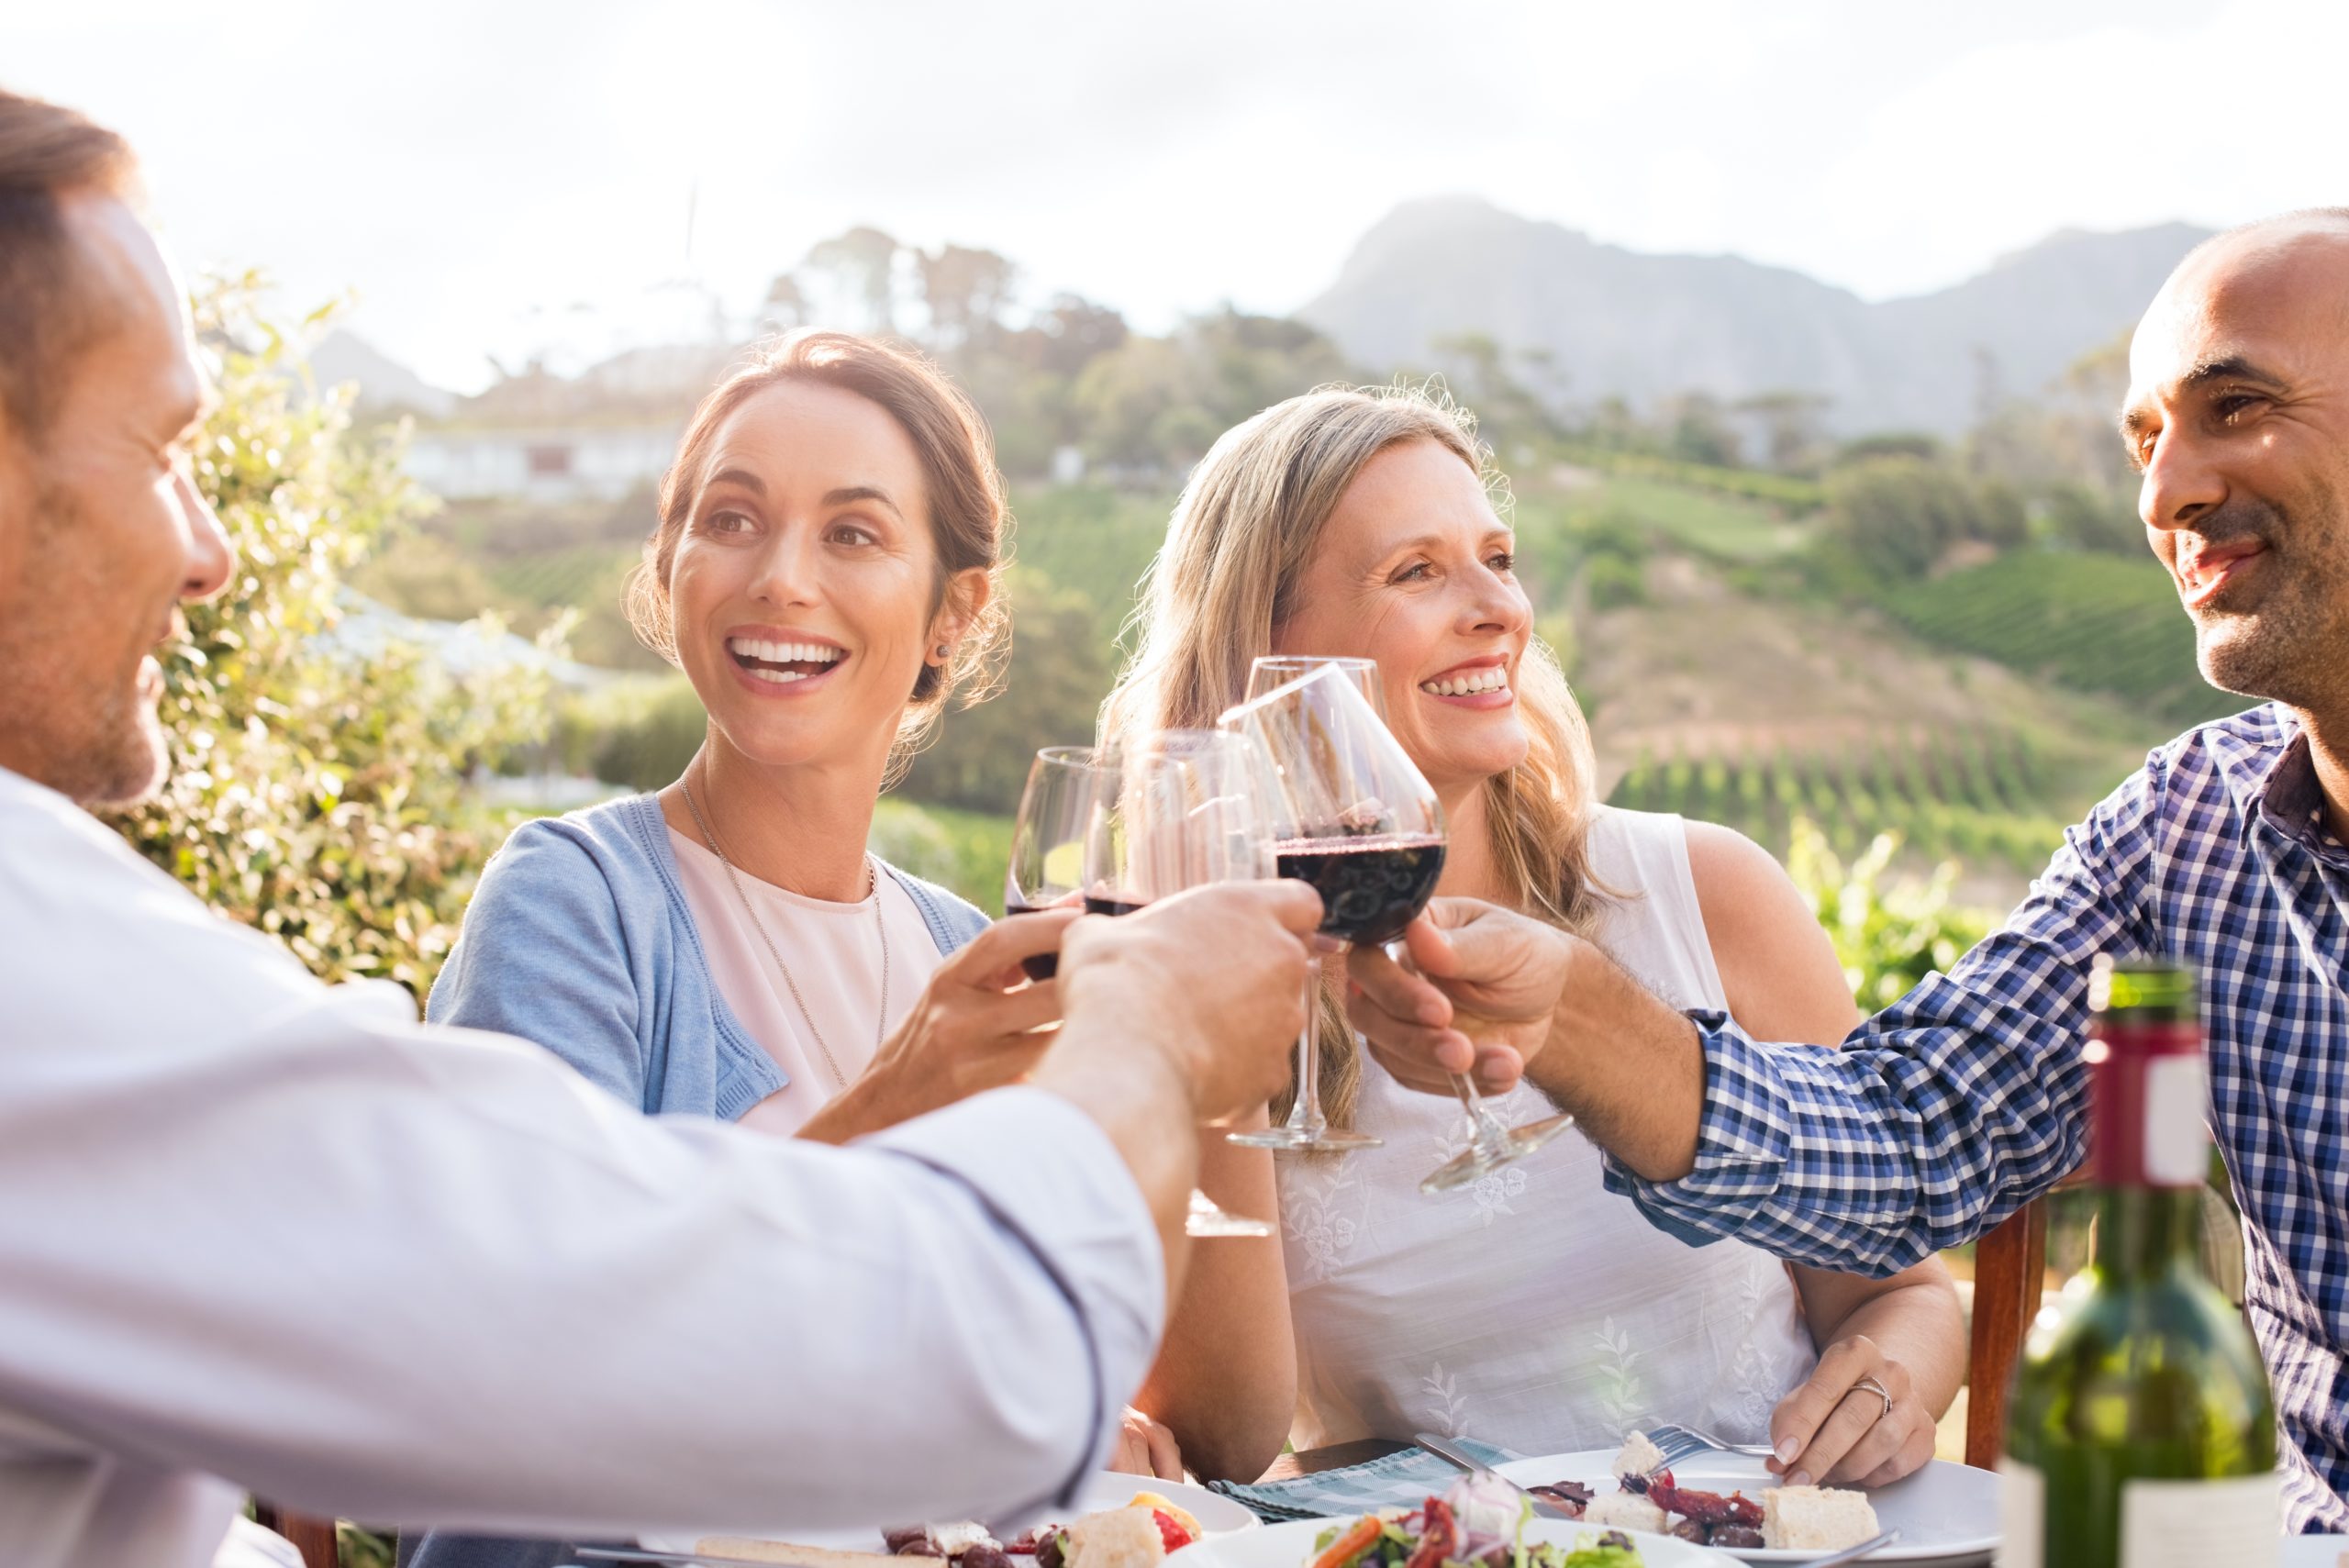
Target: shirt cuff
[1743, 1141]
[1051, 1177]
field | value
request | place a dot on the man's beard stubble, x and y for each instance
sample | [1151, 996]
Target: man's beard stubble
[95, 737]
[2292, 647]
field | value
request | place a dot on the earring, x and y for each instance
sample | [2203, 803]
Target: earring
[944, 648]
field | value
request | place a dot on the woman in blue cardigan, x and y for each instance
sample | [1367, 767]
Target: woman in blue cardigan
[824, 571]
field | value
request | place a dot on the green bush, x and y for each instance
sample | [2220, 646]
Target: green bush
[316, 793]
[640, 732]
[1888, 937]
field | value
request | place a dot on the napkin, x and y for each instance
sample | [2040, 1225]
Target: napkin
[1402, 1480]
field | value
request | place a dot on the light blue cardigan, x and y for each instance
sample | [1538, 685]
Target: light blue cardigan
[579, 938]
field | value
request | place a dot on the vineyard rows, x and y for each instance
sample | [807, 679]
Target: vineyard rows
[2095, 623]
[1977, 796]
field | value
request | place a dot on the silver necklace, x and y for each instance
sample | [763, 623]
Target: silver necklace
[872, 891]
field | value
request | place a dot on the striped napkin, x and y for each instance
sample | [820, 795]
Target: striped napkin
[1401, 1480]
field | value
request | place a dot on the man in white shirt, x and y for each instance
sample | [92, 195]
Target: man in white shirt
[256, 1228]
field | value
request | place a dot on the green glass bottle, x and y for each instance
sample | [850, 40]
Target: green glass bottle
[2142, 1431]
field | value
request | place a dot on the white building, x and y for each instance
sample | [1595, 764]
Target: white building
[549, 463]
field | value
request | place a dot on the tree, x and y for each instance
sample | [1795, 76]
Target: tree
[317, 792]
[854, 279]
[1898, 515]
[966, 292]
[1700, 431]
[1792, 432]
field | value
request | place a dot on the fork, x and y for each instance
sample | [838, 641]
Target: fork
[1676, 1443]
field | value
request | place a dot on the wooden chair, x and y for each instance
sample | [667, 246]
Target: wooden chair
[2009, 1272]
[313, 1537]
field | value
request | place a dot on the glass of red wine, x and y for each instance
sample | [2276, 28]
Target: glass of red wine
[1174, 811]
[1308, 1129]
[1048, 840]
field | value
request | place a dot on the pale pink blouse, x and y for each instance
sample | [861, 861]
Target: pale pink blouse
[834, 952]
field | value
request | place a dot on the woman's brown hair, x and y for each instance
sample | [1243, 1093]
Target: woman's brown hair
[970, 520]
[1225, 581]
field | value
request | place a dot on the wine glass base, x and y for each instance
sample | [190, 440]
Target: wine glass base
[1208, 1220]
[1289, 1139]
[1472, 1164]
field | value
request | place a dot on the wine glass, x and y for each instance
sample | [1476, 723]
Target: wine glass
[1176, 811]
[1280, 669]
[1358, 820]
[1307, 1129]
[1048, 840]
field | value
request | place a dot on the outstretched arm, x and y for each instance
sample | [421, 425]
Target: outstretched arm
[1941, 1116]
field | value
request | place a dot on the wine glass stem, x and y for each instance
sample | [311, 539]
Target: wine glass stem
[1490, 1137]
[1306, 1114]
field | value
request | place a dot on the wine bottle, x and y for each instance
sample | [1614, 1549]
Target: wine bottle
[2142, 1431]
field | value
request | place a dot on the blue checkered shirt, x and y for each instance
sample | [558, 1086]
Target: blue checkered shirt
[1962, 1101]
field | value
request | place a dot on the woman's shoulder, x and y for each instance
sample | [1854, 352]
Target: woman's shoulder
[953, 920]
[613, 854]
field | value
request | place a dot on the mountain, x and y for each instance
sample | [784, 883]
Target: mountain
[385, 386]
[1623, 323]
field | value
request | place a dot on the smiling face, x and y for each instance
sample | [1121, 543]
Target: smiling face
[1415, 570]
[102, 531]
[805, 592]
[2238, 417]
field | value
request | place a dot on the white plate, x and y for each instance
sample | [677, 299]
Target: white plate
[1217, 1515]
[2315, 1552]
[1291, 1545]
[1947, 1514]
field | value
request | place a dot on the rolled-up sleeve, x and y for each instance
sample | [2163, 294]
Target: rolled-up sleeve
[1941, 1115]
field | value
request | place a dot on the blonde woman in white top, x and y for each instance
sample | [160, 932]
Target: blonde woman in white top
[1533, 1309]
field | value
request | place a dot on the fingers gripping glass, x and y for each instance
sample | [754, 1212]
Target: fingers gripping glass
[1330, 771]
[1048, 840]
[1355, 818]
[1176, 812]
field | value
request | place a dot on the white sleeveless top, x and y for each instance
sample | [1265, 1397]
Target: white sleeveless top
[1535, 1310]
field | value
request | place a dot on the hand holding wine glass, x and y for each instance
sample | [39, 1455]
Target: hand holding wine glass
[1362, 823]
[1178, 811]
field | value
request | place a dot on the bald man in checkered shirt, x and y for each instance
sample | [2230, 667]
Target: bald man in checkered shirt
[1953, 1108]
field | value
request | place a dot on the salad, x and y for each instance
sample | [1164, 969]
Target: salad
[1476, 1524]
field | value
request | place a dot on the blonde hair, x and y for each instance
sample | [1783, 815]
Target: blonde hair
[970, 517]
[1225, 581]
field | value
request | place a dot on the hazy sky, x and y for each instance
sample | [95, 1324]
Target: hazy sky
[509, 179]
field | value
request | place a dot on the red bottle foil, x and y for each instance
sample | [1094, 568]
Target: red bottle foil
[2149, 1090]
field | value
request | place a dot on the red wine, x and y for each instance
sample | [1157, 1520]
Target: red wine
[1094, 906]
[1370, 887]
[1039, 965]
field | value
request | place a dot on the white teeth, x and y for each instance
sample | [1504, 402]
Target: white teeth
[1490, 680]
[783, 652]
[780, 677]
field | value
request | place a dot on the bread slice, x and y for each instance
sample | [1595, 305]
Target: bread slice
[1815, 1518]
[1624, 1510]
[1640, 1457]
[1115, 1538]
[755, 1551]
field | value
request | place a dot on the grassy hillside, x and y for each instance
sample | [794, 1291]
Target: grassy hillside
[2095, 623]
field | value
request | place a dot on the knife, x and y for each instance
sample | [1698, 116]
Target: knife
[1444, 1449]
[1852, 1554]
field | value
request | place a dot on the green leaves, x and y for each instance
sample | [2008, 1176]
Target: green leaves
[319, 791]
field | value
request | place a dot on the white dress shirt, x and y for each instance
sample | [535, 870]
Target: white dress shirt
[257, 1228]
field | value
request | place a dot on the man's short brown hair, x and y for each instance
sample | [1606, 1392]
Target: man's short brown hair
[49, 307]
